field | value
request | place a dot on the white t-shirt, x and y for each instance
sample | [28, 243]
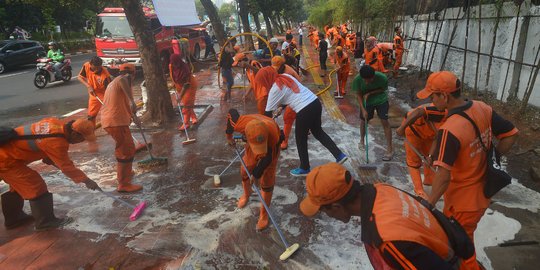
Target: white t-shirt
[300, 31]
[285, 45]
[286, 96]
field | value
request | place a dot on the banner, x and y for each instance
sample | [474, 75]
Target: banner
[176, 12]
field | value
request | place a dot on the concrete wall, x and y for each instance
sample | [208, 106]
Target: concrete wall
[527, 41]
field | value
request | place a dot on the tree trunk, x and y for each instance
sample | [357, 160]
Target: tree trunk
[425, 44]
[278, 20]
[219, 30]
[159, 107]
[256, 21]
[466, 46]
[511, 53]
[452, 36]
[493, 47]
[244, 16]
[475, 90]
[530, 85]
[268, 24]
[276, 25]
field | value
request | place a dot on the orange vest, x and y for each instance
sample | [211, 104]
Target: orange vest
[426, 127]
[374, 59]
[116, 110]
[389, 214]
[273, 132]
[347, 66]
[398, 44]
[54, 148]
[251, 74]
[465, 191]
[98, 82]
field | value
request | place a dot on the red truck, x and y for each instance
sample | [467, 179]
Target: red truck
[115, 43]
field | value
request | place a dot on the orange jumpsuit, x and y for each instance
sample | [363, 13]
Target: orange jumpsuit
[251, 73]
[421, 135]
[316, 39]
[115, 119]
[99, 83]
[188, 100]
[17, 154]
[386, 51]
[343, 72]
[399, 47]
[374, 58]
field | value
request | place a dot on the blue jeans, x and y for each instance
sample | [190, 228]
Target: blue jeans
[227, 74]
[56, 69]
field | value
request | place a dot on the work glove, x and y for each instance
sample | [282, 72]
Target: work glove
[91, 184]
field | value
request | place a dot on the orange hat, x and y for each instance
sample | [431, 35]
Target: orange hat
[238, 57]
[440, 82]
[325, 184]
[127, 66]
[278, 61]
[257, 136]
[85, 128]
[339, 48]
[236, 48]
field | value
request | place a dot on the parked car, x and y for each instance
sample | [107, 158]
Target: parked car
[19, 52]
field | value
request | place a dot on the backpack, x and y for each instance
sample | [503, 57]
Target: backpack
[8, 134]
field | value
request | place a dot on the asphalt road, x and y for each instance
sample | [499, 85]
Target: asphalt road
[21, 102]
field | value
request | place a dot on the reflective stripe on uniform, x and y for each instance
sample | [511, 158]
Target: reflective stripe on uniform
[31, 143]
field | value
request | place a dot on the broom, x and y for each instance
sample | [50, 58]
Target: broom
[188, 140]
[367, 166]
[289, 250]
[137, 209]
[138, 146]
[152, 161]
[217, 177]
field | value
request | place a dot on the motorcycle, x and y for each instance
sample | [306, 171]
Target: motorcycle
[45, 73]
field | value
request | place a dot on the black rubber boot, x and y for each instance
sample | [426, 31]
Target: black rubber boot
[12, 205]
[43, 212]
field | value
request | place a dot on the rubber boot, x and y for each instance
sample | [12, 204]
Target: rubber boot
[43, 212]
[193, 116]
[124, 173]
[263, 216]
[417, 182]
[185, 123]
[242, 202]
[12, 205]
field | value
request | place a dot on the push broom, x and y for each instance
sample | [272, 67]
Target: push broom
[188, 140]
[217, 177]
[289, 250]
[152, 161]
[137, 209]
[138, 146]
[367, 166]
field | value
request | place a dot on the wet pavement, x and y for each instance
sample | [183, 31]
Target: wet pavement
[190, 224]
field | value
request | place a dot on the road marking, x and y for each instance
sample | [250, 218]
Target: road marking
[14, 74]
[73, 112]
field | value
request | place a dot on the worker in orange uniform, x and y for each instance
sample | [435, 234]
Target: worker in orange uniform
[263, 83]
[420, 127]
[289, 116]
[461, 151]
[251, 68]
[118, 110]
[342, 62]
[96, 79]
[399, 48]
[48, 140]
[261, 156]
[398, 231]
[373, 55]
[186, 85]
[387, 50]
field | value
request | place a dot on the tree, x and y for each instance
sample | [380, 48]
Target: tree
[244, 15]
[216, 22]
[159, 107]
[226, 11]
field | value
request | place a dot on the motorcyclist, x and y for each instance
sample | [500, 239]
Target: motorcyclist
[57, 56]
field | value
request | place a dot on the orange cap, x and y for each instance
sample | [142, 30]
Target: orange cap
[85, 128]
[339, 48]
[440, 82]
[257, 136]
[238, 57]
[278, 61]
[325, 184]
[127, 66]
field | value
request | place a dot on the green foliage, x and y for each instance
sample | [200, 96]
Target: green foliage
[226, 11]
[201, 12]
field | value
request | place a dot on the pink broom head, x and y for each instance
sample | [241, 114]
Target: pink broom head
[137, 211]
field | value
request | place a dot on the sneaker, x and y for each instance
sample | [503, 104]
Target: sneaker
[299, 172]
[342, 158]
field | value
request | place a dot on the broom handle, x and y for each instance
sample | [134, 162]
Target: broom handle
[262, 200]
[181, 114]
[422, 157]
[116, 199]
[367, 138]
[138, 124]
[230, 164]
[100, 101]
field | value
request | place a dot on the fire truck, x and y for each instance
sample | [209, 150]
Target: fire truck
[115, 43]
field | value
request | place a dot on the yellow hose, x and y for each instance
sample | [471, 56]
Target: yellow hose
[227, 43]
[329, 83]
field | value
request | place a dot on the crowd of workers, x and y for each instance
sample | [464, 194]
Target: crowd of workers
[399, 230]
